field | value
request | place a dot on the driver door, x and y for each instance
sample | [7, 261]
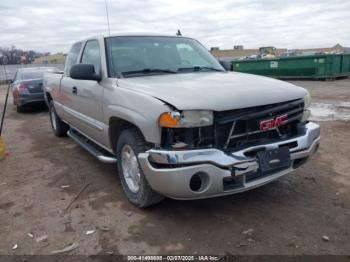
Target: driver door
[87, 96]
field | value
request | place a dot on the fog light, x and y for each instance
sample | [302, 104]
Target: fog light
[195, 183]
[199, 182]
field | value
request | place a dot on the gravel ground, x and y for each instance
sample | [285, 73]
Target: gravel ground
[306, 212]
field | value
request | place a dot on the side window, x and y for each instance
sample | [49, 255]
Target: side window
[91, 55]
[72, 57]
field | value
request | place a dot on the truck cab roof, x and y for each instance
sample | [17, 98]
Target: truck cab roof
[102, 36]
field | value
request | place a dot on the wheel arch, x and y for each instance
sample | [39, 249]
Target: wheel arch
[116, 127]
[48, 98]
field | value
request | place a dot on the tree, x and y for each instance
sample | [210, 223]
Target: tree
[15, 56]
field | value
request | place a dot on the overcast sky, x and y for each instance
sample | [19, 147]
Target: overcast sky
[45, 25]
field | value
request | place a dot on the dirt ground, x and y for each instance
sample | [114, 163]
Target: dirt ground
[306, 212]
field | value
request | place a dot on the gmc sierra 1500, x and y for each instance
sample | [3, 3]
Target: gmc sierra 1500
[175, 121]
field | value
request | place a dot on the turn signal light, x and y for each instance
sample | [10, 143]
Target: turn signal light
[169, 119]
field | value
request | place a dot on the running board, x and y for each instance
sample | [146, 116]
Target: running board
[91, 147]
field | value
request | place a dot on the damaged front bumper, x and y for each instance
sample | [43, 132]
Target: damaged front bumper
[195, 174]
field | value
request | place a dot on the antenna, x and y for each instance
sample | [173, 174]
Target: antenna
[109, 30]
[178, 32]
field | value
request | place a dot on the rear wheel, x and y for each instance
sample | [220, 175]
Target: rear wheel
[135, 185]
[59, 127]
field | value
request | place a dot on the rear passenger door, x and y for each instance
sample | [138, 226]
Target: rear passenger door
[87, 96]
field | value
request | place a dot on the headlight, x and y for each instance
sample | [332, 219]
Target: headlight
[190, 118]
[307, 104]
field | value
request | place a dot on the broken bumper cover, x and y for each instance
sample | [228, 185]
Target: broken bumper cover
[220, 173]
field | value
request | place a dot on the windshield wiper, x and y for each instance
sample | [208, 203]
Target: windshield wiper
[200, 68]
[146, 71]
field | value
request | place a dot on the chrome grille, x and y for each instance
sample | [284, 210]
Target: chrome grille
[237, 128]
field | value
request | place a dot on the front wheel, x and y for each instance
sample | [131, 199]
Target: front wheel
[135, 185]
[59, 127]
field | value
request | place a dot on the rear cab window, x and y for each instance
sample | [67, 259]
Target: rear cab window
[91, 55]
[72, 57]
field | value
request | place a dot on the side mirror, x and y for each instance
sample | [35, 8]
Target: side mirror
[84, 72]
[226, 65]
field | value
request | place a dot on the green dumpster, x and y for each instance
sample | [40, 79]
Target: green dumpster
[345, 68]
[298, 67]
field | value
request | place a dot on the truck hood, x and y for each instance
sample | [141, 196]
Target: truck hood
[216, 91]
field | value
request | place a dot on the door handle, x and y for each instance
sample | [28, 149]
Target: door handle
[74, 90]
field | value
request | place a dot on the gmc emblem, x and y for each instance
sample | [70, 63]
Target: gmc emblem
[273, 123]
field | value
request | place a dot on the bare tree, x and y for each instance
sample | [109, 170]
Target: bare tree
[14, 55]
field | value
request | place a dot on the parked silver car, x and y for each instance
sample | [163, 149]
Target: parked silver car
[175, 121]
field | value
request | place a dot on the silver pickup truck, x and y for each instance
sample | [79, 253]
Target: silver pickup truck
[175, 121]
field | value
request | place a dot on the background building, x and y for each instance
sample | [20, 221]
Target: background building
[238, 51]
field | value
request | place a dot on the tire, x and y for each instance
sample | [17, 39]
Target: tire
[59, 127]
[144, 196]
[20, 109]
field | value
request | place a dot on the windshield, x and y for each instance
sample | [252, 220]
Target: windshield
[29, 74]
[130, 56]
